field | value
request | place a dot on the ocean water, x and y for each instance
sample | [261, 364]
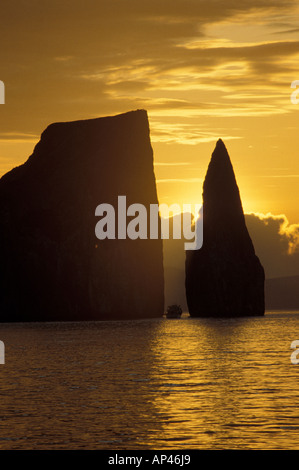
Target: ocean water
[151, 384]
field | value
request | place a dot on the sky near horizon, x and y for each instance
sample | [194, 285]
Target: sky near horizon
[202, 70]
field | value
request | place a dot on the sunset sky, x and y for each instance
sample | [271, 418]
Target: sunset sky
[202, 69]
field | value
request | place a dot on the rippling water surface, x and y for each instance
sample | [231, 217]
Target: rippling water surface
[151, 384]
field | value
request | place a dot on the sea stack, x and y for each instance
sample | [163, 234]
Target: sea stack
[225, 277]
[53, 267]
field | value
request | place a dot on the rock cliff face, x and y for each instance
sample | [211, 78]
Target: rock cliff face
[52, 266]
[224, 278]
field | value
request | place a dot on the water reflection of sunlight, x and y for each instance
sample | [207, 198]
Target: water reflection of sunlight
[201, 374]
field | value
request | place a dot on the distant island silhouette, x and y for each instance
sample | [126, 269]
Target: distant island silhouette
[53, 267]
[225, 278]
[282, 293]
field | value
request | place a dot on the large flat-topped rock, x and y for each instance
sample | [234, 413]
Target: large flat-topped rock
[52, 265]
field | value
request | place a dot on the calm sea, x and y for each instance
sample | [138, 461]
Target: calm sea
[151, 384]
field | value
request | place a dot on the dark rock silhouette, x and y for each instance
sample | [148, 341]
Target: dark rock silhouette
[52, 265]
[224, 278]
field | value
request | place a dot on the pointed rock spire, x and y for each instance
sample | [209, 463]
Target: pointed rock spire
[224, 277]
